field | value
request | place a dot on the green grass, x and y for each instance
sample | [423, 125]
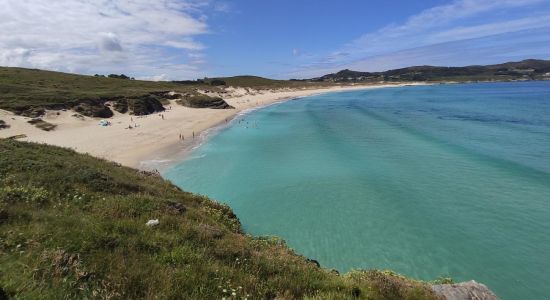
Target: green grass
[264, 83]
[20, 88]
[73, 227]
[28, 91]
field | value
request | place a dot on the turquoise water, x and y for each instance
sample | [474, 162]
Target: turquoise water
[429, 181]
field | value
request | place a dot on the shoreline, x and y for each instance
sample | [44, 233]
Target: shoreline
[153, 143]
[163, 159]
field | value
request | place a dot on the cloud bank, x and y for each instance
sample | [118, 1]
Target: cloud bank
[139, 37]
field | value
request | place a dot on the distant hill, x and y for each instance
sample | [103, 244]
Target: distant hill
[530, 69]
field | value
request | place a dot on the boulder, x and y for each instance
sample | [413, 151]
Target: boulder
[470, 290]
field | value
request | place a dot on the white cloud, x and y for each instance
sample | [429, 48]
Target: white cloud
[429, 26]
[161, 77]
[185, 44]
[89, 36]
[457, 21]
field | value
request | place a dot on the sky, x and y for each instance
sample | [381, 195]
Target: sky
[188, 39]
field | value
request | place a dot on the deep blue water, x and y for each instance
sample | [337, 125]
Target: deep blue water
[429, 181]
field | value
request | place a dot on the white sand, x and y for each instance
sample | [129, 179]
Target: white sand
[154, 138]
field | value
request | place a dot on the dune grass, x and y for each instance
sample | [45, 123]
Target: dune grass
[74, 227]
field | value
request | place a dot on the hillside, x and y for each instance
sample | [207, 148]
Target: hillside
[530, 69]
[29, 91]
[73, 226]
[256, 82]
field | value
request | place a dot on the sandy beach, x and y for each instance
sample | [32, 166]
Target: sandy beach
[153, 138]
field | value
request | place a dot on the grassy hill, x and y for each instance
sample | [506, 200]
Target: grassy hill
[256, 82]
[73, 226]
[28, 91]
[30, 87]
[530, 69]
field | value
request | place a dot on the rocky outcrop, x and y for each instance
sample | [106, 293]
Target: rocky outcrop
[470, 290]
[31, 112]
[203, 101]
[145, 105]
[137, 105]
[91, 109]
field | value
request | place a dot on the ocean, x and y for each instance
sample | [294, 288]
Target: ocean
[428, 181]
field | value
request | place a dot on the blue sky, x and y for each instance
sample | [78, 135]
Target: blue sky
[182, 39]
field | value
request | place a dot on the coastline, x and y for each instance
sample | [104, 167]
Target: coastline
[154, 143]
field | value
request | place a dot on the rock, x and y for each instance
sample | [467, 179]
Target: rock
[94, 110]
[470, 290]
[355, 292]
[175, 208]
[204, 101]
[3, 125]
[145, 105]
[313, 261]
[33, 112]
[3, 294]
[121, 106]
[152, 223]
[210, 232]
[146, 173]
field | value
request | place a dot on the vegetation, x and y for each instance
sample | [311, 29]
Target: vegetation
[74, 227]
[261, 83]
[217, 82]
[121, 76]
[530, 69]
[30, 91]
[3, 125]
[39, 123]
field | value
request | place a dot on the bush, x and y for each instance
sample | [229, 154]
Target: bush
[28, 195]
[217, 82]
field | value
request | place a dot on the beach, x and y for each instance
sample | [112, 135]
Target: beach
[428, 181]
[154, 137]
